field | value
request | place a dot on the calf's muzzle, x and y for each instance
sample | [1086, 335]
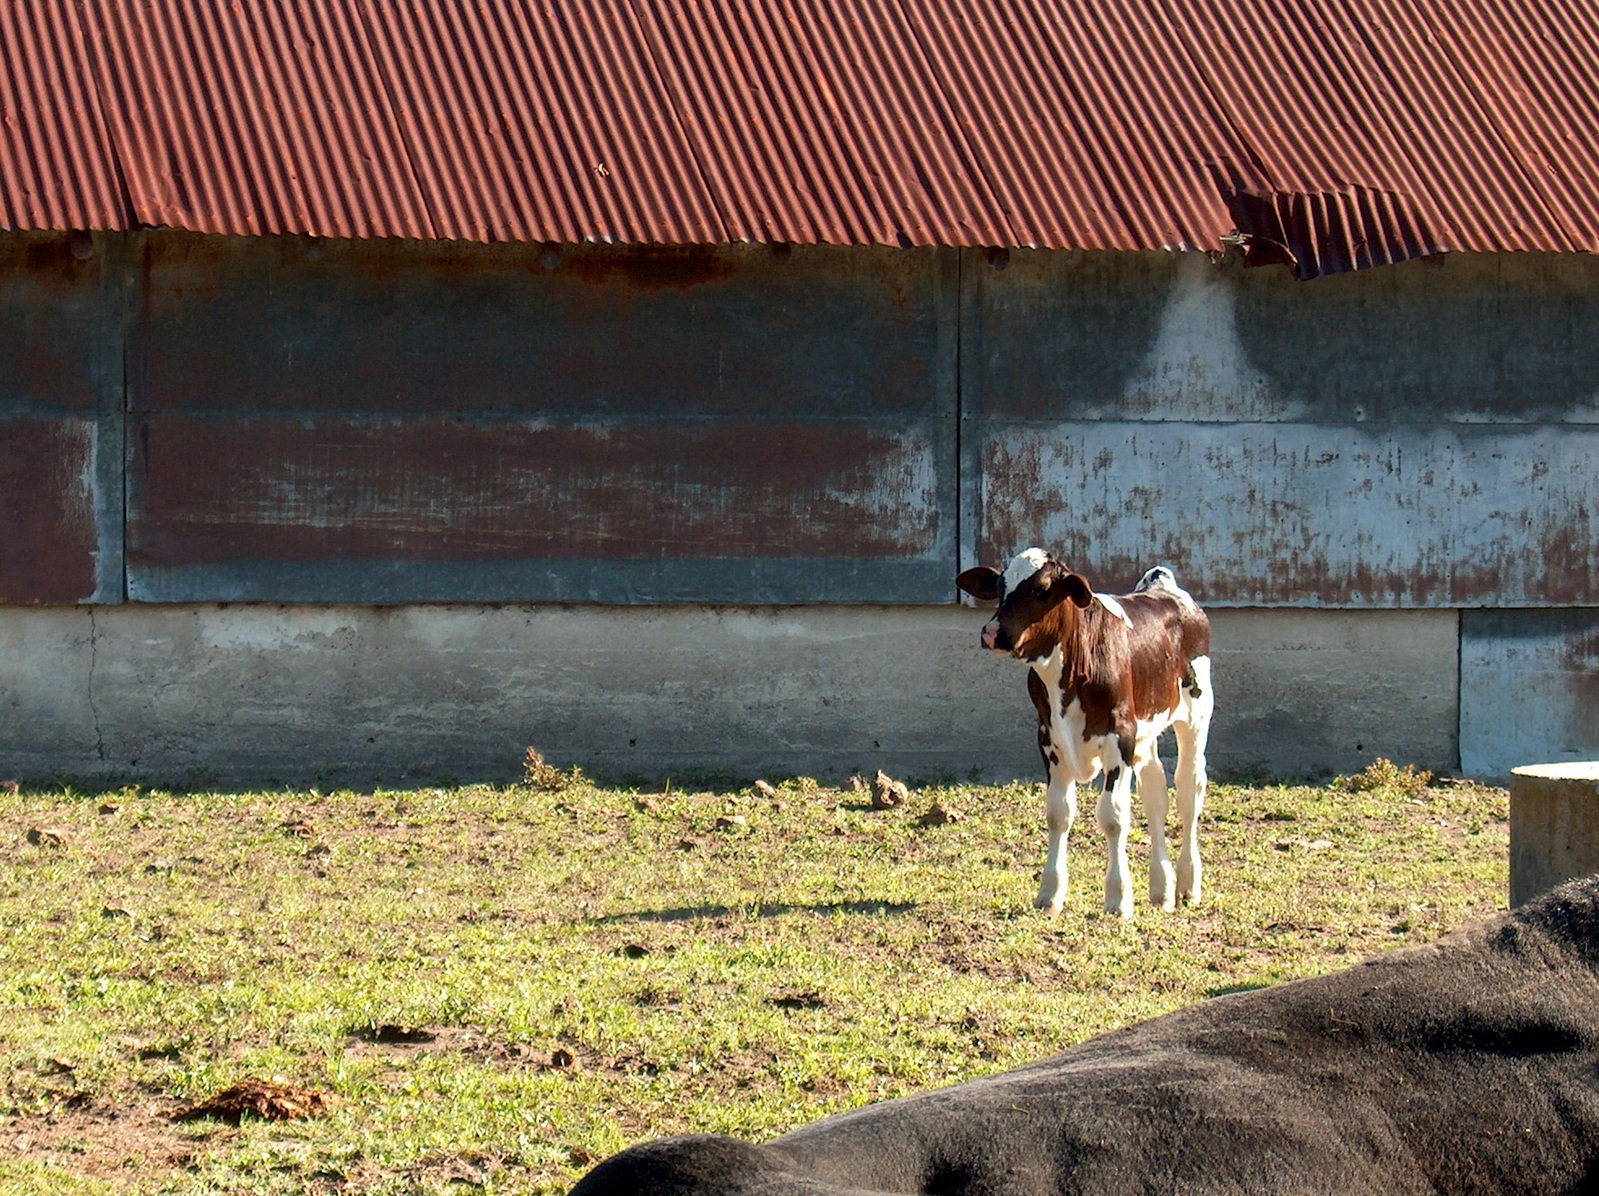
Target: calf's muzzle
[994, 638]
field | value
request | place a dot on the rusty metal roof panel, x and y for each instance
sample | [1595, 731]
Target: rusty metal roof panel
[528, 121]
[1077, 120]
[1320, 176]
[1433, 113]
[56, 166]
[1327, 134]
[820, 123]
[252, 118]
[1535, 71]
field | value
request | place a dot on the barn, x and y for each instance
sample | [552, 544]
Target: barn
[386, 387]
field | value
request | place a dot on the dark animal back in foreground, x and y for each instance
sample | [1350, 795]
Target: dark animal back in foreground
[1468, 1066]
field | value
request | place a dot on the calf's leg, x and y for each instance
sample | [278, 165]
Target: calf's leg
[1060, 811]
[1152, 789]
[1192, 735]
[1115, 812]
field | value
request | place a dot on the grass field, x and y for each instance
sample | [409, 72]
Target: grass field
[501, 985]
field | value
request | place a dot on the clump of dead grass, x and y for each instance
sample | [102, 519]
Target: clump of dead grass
[1383, 775]
[539, 773]
[269, 1100]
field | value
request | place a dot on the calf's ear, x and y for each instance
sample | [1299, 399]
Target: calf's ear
[1077, 589]
[982, 583]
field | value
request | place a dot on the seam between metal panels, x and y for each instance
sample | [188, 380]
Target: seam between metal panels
[953, 131]
[359, 15]
[130, 213]
[1490, 117]
[960, 397]
[129, 294]
[1204, 79]
[677, 117]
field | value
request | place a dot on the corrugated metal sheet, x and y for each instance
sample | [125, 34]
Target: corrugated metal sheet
[253, 118]
[535, 122]
[820, 123]
[1085, 146]
[1324, 134]
[57, 168]
[1533, 66]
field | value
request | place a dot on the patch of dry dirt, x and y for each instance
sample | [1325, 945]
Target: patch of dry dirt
[134, 1144]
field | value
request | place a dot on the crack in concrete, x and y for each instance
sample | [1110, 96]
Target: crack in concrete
[94, 710]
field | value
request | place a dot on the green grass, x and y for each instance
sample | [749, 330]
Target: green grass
[600, 965]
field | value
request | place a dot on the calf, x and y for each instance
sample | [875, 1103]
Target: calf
[1468, 1066]
[1108, 676]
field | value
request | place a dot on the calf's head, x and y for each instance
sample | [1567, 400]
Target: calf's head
[1030, 591]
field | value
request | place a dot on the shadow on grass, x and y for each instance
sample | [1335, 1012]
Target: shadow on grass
[695, 912]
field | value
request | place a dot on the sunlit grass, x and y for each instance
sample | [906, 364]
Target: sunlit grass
[600, 965]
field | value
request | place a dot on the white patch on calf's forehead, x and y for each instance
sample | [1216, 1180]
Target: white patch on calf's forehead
[1025, 563]
[1113, 607]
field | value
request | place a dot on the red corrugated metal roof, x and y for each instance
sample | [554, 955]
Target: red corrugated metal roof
[1330, 134]
[57, 169]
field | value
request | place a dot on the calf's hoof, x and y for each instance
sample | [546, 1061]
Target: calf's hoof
[1121, 907]
[1188, 885]
[1163, 886]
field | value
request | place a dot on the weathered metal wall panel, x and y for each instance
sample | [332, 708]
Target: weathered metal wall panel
[347, 422]
[313, 421]
[1298, 514]
[60, 438]
[47, 541]
[1529, 688]
[1419, 437]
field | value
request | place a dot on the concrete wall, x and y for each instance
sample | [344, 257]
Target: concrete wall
[236, 695]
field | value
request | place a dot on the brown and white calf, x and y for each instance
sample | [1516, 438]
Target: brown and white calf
[1109, 675]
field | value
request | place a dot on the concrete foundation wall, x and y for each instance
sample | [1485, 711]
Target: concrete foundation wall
[243, 695]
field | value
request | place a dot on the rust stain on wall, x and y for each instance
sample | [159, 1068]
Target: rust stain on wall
[1304, 515]
[209, 492]
[652, 267]
[47, 524]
